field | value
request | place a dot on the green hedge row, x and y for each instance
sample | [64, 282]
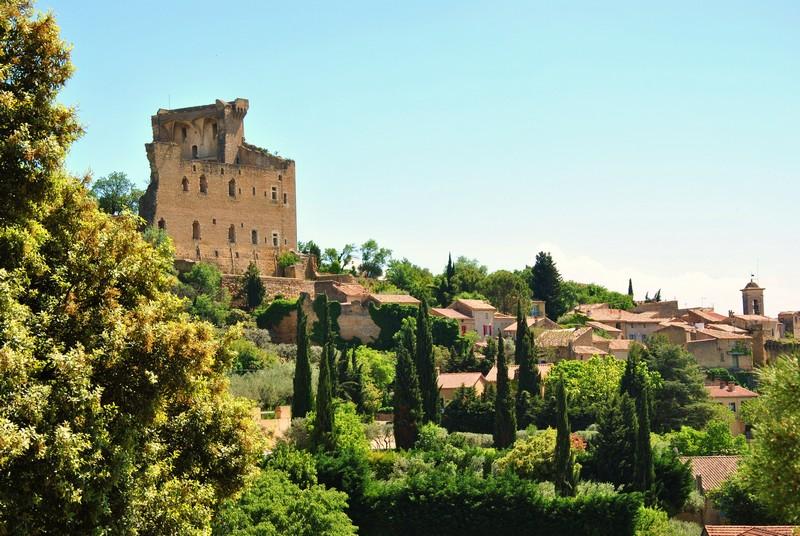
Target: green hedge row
[389, 317]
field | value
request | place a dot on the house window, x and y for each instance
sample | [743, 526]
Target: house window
[162, 224]
[275, 239]
[254, 236]
[232, 188]
[274, 193]
[185, 184]
[194, 151]
[232, 234]
[203, 184]
[195, 230]
[285, 199]
[732, 406]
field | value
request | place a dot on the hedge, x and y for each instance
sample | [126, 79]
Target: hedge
[389, 317]
[269, 316]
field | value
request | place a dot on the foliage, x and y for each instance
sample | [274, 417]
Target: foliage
[681, 399]
[411, 278]
[575, 293]
[303, 397]
[443, 285]
[566, 473]
[528, 384]
[773, 468]
[613, 448]
[310, 248]
[673, 481]
[269, 316]
[463, 358]
[531, 458]
[426, 367]
[287, 259]
[251, 287]
[389, 317]
[326, 328]
[116, 193]
[546, 285]
[439, 502]
[714, 440]
[322, 436]
[270, 387]
[505, 422]
[407, 400]
[299, 465]
[373, 259]
[208, 299]
[468, 276]
[653, 522]
[468, 412]
[336, 262]
[505, 290]
[738, 502]
[249, 357]
[274, 505]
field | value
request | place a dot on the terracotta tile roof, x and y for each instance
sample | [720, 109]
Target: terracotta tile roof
[722, 334]
[512, 328]
[787, 313]
[476, 305]
[559, 337]
[748, 530]
[620, 315]
[448, 313]
[708, 315]
[588, 350]
[394, 298]
[755, 318]
[735, 391]
[726, 327]
[619, 344]
[454, 380]
[604, 327]
[350, 289]
[713, 470]
[544, 370]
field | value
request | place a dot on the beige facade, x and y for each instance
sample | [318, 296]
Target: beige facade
[481, 313]
[732, 397]
[220, 199]
[791, 323]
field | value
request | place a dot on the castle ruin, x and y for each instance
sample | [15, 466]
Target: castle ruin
[220, 199]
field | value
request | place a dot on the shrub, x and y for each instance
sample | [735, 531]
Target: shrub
[269, 387]
[715, 439]
[270, 315]
[299, 465]
[288, 258]
[249, 357]
[468, 412]
[531, 458]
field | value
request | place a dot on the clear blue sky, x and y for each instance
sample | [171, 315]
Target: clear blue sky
[660, 142]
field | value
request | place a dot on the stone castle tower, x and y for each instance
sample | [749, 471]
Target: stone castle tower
[220, 199]
[752, 299]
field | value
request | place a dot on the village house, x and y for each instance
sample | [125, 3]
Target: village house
[465, 323]
[513, 373]
[791, 323]
[450, 382]
[709, 473]
[481, 313]
[634, 326]
[732, 396]
[572, 343]
[749, 530]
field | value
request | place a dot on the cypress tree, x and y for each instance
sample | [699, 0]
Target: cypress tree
[252, 287]
[615, 443]
[322, 438]
[302, 398]
[565, 478]
[643, 470]
[505, 423]
[528, 380]
[323, 310]
[343, 375]
[426, 367]
[407, 401]
[357, 380]
[630, 287]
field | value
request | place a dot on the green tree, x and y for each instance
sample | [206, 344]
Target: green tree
[630, 288]
[310, 248]
[444, 286]
[252, 288]
[114, 407]
[529, 380]
[322, 437]
[411, 278]
[116, 193]
[505, 290]
[546, 285]
[302, 399]
[468, 276]
[426, 367]
[407, 399]
[772, 469]
[574, 293]
[565, 470]
[505, 423]
[334, 261]
[373, 259]
[614, 446]
[643, 470]
[202, 285]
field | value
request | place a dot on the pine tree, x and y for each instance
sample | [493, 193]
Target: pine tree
[545, 283]
[426, 367]
[630, 287]
[615, 443]
[302, 398]
[529, 379]
[322, 437]
[252, 288]
[505, 423]
[565, 479]
[407, 400]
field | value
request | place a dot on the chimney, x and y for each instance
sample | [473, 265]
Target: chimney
[731, 385]
[722, 384]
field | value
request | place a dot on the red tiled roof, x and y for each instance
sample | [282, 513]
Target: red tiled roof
[588, 350]
[604, 327]
[723, 334]
[620, 315]
[476, 305]
[737, 391]
[726, 327]
[448, 313]
[454, 380]
[560, 337]
[748, 530]
[708, 315]
[394, 298]
[713, 470]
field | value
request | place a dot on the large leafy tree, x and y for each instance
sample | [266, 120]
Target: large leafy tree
[373, 259]
[116, 193]
[505, 422]
[414, 279]
[114, 404]
[773, 469]
[546, 285]
[302, 399]
[505, 290]
[426, 366]
[468, 276]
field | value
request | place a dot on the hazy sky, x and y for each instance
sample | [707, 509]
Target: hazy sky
[660, 142]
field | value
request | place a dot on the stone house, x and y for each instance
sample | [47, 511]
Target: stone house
[572, 343]
[450, 382]
[732, 396]
[481, 313]
[709, 472]
[465, 323]
[791, 323]
[634, 326]
[749, 530]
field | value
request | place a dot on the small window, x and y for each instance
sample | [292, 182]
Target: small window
[194, 151]
[254, 236]
[285, 199]
[254, 190]
[185, 184]
[280, 178]
[732, 406]
[274, 193]
[232, 234]
[241, 225]
[240, 191]
[265, 193]
[216, 253]
[237, 254]
[222, 171]
[214, 221]
[195, 230]
[214, 130]
[232, 188]
[203, 184]
[285, 241]
[162, 224]
[194, 168]
[183, 133]
[275, 239]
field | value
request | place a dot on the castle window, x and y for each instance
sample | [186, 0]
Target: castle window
[214, 130]
[240, 191]
[254, 190]
[203, 184]
[232, 188]
[185, 184]
[275, 239]
[197, 252]
[285, 241]
[162, 224]
[183, 133]
[214, 221]
[280, 178]
[237, 254]
[254, 236]
[222, 171]
[194, 151]
[216, 253]
[274, 193]
[194, 168]
[285, 199]
[232, 234]
[195, 230]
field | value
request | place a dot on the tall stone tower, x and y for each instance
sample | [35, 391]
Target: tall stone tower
[220, 199]
[752, 299]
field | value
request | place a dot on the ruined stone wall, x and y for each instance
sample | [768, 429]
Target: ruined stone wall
[275, 286]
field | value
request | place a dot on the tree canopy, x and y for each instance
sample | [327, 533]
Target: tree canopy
[116, 192]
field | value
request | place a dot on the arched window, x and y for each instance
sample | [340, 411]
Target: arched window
[194, 151]
[162, 224]
[185, 184]
[254, 236]
[203, 184]
[195, 230]
[232, 234]
[232, 188]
